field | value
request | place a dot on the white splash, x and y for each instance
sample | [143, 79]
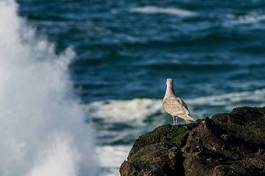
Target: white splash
[41, 124]
[163, 10]
[56, 159]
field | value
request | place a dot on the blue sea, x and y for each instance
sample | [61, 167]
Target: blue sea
[124, 50]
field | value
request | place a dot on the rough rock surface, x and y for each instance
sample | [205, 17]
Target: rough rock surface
[229, 144]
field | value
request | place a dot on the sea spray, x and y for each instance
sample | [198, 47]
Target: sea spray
[42, 127]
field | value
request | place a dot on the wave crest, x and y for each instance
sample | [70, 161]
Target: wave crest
[138, 110]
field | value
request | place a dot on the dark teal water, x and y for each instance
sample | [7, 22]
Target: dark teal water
[214, 50]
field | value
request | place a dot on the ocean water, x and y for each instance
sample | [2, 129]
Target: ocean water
[124, 50]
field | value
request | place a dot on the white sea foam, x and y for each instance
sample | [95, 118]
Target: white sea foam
[112, 157]
[41, 124]
[124, 110]
[163, 10]
[139, 109]
[229, 99]
[251, 18]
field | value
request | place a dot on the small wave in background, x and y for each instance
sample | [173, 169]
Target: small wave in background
[42, 124]
[165, 10]
[139, 109]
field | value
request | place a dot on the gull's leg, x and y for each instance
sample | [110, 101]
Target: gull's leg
[186, 125]
[175, 120]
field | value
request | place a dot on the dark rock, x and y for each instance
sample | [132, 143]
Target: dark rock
[230, 144]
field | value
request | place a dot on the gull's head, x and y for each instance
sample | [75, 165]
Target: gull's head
[169, 81]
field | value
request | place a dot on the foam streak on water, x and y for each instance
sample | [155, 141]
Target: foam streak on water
[41, 125]
[161, 10]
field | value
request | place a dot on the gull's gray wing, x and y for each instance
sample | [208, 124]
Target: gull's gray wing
[183, 103]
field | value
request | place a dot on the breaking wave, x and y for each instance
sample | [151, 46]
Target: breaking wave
[42, 125]
[139, 109]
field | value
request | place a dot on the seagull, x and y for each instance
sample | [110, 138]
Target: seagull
[174, 105]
